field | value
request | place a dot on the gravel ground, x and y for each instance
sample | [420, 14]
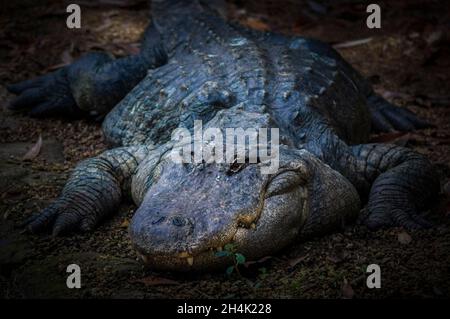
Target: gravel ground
[407, 61]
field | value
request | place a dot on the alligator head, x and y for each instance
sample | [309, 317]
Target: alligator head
[188, 212]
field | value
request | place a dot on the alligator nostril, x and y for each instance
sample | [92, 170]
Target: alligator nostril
[178, 221]
[159, 220]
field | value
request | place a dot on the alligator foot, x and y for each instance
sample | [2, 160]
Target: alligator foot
[44, 95]
[62, 219]
[387, 117]
[406, 218]
[404, 184]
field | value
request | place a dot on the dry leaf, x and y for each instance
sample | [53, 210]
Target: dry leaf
[106, 23]
[125, 223]
[54, 67]
[257, 24]
[404, 238]
[434, 37]
[157, 281]
[347, 290]
[349, 44]
[33, 152]
[389, 95]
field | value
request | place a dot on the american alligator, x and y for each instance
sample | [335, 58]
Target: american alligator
[193, 65]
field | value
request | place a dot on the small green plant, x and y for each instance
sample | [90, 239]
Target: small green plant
[263, 272]
[238, 258]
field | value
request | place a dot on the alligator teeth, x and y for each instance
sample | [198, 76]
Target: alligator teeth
[190, 261]
[184, 254]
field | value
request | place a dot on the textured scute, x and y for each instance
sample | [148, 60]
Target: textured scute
[297, 82]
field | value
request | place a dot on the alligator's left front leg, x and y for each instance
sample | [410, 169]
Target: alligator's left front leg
[398, 182]
[404, 184]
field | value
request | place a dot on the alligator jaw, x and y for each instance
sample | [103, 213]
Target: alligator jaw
[244, 233]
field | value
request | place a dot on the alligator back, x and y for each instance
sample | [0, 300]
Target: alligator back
[298, 82]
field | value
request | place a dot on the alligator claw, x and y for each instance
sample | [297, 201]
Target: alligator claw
[57, 217]
[397, 217]
[45, 95]
[19, 87]
[387, 117]
[38, 223]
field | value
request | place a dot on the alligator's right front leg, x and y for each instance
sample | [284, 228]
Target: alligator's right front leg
[93, 191]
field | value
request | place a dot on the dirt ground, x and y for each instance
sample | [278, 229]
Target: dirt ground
[407, 61]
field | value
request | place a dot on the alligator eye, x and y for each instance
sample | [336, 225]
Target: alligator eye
[235, 167]
[284, 183]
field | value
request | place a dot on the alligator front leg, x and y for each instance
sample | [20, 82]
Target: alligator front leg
[90, 86]
[93, 191]
[403, 185]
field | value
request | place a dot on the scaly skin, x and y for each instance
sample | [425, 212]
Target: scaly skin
[195, 66]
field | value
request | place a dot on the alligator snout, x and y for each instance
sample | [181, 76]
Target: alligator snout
[190, 212]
